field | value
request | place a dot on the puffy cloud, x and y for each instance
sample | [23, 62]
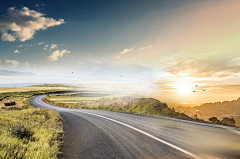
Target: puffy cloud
[26, 64]
[20, 46]
[7, 37]
[126, 51]
[54, 46]
[141, 48]
[117, 57]
[56, 54]
[12, 63]
[23, 23]
[16, 51]
[40, 43]
[46, 45]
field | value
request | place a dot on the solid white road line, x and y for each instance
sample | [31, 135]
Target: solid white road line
[136, 129]
[149, 135]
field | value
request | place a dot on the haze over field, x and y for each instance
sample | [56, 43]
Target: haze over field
[184, 52]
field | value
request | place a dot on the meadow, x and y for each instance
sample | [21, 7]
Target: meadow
[26, 131]
[30, 133]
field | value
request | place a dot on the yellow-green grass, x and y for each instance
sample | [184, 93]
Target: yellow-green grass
[66, 98]
[86, 100]
[44, 128]
[27, 89]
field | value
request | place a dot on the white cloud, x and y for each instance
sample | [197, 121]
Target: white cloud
[117, 57]
[133, 59]
[16, 51]
[12, 63]
[141, 48]
[53, 47]
[7, 37]
[27, 63]
[45, 48]
[23, 23]
[126, 51]
[149, 46]
[56, 54]
[40, 43]
[20, 46]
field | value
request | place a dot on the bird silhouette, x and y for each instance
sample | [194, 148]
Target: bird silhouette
[194, 91]
[196, 85]
[204, 89]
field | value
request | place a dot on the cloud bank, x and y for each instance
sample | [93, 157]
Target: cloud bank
[23, 23]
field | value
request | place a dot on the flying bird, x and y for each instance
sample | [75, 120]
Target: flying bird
[194, 91]
[204, 89]
[196, 85]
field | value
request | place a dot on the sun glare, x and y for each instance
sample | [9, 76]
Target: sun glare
[184, 84]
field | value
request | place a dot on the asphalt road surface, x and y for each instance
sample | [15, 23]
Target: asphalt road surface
[106, 134]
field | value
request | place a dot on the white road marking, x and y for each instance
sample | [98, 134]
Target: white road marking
[136, 129]
[149, 135]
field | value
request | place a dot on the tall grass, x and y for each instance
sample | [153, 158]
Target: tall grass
[30, 133]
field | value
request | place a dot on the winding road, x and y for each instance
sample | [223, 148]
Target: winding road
[106, 134]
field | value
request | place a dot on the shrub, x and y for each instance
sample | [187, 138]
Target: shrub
[228, 121]
[21, 131]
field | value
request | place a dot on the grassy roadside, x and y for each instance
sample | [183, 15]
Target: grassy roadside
[122, 104]
[26, 131]
[30, 133]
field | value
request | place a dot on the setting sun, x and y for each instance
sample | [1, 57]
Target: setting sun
[184, 85]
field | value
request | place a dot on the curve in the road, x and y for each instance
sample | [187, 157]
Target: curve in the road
[104, 134]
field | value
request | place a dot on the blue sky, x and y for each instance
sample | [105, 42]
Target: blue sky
[170, 45]
[93, 31]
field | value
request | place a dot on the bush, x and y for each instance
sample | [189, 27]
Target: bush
[21, 131]
[228, 121]
[214, 120]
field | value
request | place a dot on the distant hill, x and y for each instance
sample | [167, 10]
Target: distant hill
[217, 109]
[16, 73]
[56, 85]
